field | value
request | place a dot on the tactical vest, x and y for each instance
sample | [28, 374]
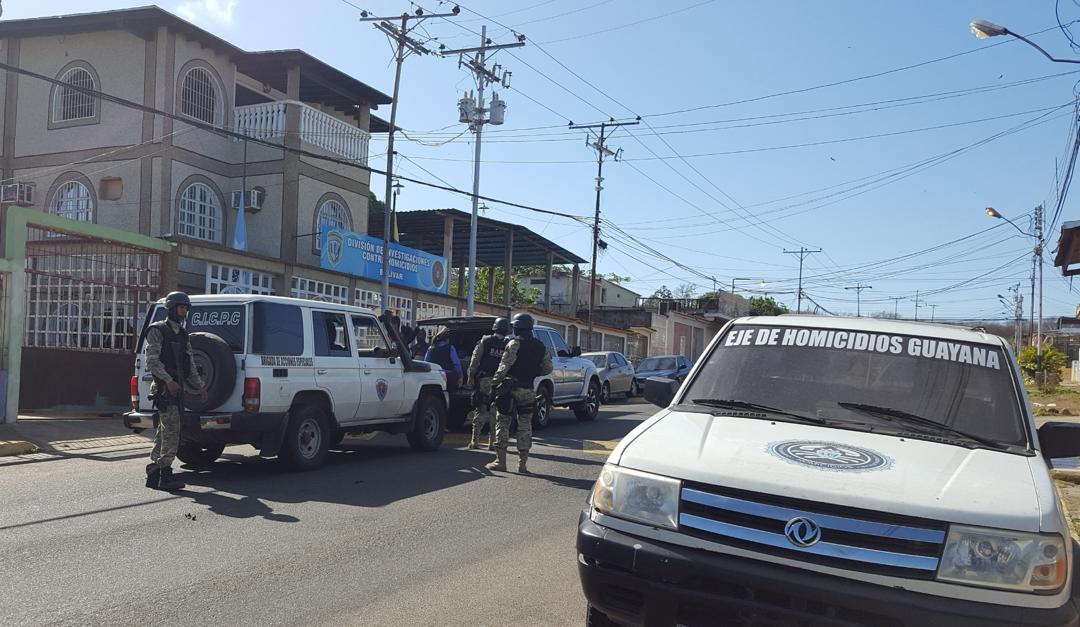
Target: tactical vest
[171, 343]
[492, 348]
[441, 355]
[527, 365]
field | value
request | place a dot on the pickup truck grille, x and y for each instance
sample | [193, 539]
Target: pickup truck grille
[835, 536]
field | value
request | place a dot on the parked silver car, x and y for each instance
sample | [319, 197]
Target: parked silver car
[616, 374]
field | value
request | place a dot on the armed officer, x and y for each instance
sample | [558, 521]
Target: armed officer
[170, 361]
[485, 360]
[524, 359]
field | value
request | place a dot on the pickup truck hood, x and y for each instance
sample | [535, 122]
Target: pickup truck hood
[851, 468]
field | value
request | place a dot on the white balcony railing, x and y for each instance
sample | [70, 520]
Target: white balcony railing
[267, 121]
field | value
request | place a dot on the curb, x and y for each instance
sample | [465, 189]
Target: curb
[1065, 474]
[10, 448]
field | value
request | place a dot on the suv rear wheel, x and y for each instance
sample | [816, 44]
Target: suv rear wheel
[587, 409]
[542, 413]
[429, 424]
[307, 438]
[199, 456]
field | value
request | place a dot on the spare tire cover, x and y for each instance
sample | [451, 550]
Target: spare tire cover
[214, 360]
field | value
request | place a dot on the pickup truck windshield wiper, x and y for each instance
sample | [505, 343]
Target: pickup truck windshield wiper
[737, 404]
[890, 413]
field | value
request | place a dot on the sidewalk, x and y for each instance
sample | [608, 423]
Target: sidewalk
[71, 435]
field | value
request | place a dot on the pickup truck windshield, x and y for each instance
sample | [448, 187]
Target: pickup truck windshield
[848, 376]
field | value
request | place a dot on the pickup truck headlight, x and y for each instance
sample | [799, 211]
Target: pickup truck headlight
[637, 496]
[1026, 562]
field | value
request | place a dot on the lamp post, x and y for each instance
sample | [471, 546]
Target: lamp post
[984, 29]
[1036, 263]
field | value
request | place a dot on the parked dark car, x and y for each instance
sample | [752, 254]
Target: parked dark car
[666, 366]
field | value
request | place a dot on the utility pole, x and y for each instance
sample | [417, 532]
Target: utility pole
[1018, 316]
[472, 112]
[916, 305]
[400, 36]
[602, 151]
[1038, 260]
[802, 253]
[933, 310]
[896, 306]
[858, 287]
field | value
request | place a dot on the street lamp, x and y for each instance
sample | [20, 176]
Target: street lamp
[983, 29]
[1036, 262]
[738, 278]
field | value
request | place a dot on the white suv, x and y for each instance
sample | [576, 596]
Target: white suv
[835, 471]
[291, 377]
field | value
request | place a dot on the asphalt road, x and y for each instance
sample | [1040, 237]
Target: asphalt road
[380, 536]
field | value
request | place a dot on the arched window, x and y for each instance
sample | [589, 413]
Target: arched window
[200, 213]
[199, 97]
[73, 200]
[332, 213]
[71, 104]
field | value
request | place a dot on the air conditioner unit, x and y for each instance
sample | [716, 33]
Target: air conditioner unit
[253, 200]
[18, 194]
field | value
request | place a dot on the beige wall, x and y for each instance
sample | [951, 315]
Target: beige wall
[122, 213]
[117, 58]
[311, 191]
[210, 145]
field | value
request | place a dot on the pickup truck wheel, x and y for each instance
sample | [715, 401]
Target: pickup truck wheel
[587, 409]
[605, 394]
[429, 424]
[199, 456]
[307, 438]
[542, 412]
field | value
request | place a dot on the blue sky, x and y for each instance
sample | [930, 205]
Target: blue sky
[799, 169]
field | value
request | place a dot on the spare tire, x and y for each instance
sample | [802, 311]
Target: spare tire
[214, 361]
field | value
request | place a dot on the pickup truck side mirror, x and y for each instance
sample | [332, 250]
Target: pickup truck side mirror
[1059, 439]
[575, 351]
[660, 391]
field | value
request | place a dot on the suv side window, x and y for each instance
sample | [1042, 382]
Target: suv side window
[369, 337]
[544, 336]
[331, 334]
[277, 329]
[621, 360]
[560, 345]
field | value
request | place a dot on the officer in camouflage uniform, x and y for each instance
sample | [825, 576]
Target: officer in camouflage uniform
[524, 359]
[170, 361]
[485, 360]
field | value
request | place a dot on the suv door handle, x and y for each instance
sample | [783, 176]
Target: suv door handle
[320, 371]
[367, 372]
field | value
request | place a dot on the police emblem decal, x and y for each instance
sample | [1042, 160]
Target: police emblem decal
[381, 387]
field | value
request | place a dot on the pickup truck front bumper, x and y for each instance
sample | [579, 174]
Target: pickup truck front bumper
[637, 581]
[265, 431]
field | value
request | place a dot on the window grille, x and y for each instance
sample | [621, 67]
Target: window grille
[372, 300]
[319, 290]
[199, 211]
[198, 96]
[71, 104]
[229, 280]
[72, 200]
[333, 214]
[426, 310]
[78, 299]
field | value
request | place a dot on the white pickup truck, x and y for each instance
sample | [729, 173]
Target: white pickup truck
[832, 471]
[291, 377]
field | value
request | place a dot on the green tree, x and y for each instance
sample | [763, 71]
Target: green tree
[1046, 375]
[518, 295]
[663, 293]
[685, 291]
[766, 306]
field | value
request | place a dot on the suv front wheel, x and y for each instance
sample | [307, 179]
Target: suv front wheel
[587, 409]
[307, 438]
[429, 424]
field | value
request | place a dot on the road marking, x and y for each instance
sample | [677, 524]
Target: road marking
[599, 446]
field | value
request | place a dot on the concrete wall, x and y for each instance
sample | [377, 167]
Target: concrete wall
[311, 192]
[117, 57]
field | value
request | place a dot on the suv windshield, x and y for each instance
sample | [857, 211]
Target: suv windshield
[657, 363]
[888, 381]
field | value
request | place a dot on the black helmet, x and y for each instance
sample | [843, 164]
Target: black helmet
[175, 299]
[501, 325]
[523, 322]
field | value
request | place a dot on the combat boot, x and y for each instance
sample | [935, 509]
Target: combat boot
[523, 458]
[491, 445]
[473, 444]
[499, 463]
[168, 482]
[152, 477]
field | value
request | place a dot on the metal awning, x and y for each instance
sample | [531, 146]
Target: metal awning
[1068, 252]
[423, 230]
